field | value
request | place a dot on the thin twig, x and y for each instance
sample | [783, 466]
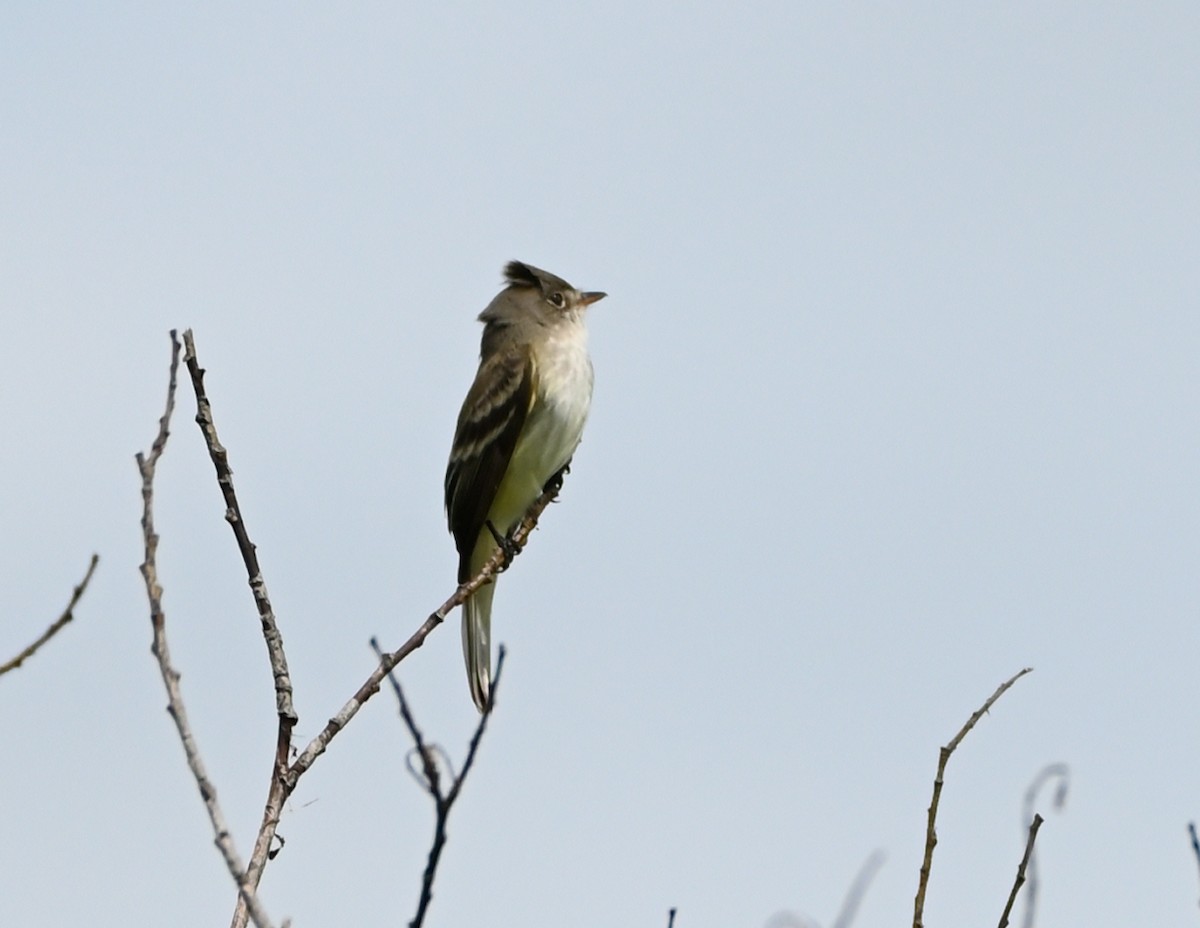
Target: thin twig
[671, 919]
[943, 757]
[147, 464]
[1048, 772]
[1012, 896]
[431, 781]
[498, 562]
[57, 625]
[284, 707]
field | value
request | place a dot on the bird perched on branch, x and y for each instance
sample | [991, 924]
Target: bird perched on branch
[519, 426]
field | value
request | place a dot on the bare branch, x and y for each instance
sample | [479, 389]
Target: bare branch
[1051, 771]
[147, 465]
[1012, 896]
[57, 625]
[443, 800]
[284, 707]
[943, 757]
[671, 919]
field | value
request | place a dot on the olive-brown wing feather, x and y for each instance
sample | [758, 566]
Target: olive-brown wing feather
[489, 424]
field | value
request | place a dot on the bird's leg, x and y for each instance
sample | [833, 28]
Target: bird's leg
[504, 542]
[555, 483]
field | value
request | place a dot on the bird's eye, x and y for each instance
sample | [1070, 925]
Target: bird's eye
[558, 299]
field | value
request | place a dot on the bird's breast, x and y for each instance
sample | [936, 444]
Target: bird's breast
[564, 376]
[555, 423]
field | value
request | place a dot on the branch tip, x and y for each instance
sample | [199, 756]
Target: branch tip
[58, 624]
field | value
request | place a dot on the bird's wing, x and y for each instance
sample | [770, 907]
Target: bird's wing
[489, 424]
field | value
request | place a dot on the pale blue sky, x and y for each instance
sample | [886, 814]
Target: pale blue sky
[896, 393]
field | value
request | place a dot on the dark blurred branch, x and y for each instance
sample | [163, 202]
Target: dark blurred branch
[57, 625]
[1012, 896]
[1051, 771]
[671, 919]
[1195, 841]
[858, 889]
[430, 777]
[943, 757]
[147, 465]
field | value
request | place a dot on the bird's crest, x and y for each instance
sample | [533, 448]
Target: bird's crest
[522, 275]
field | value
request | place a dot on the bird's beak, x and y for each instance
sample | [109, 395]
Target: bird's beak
[591, 297]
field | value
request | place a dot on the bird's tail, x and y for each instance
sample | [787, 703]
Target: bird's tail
[477, 643]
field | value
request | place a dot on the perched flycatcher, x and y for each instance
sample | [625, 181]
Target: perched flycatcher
[519, 425]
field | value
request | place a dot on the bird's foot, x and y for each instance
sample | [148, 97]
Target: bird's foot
[504, 543]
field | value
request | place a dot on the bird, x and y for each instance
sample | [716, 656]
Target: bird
[518, 429]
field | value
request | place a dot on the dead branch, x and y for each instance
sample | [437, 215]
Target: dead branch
[943, 757]
[147, 465]
[57, 625]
